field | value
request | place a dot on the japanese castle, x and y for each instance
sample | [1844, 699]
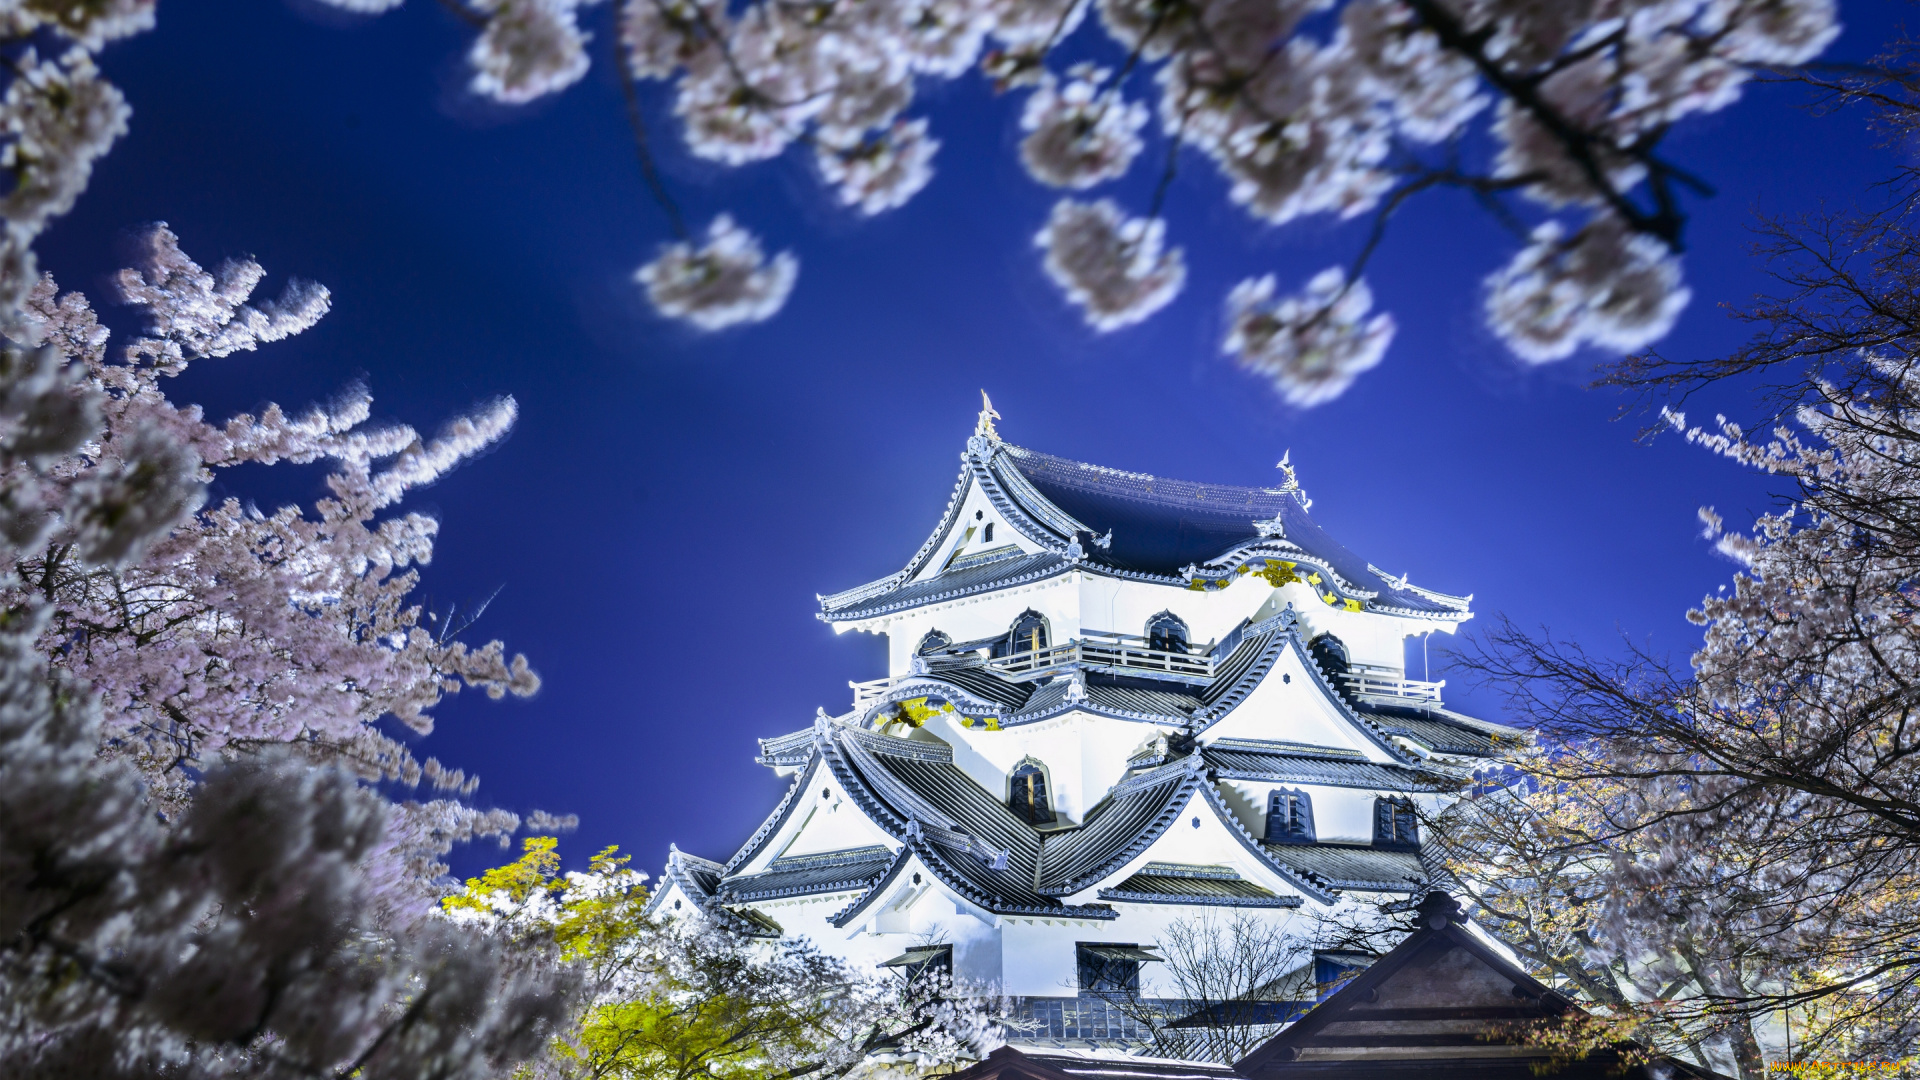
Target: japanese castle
[1113, 701]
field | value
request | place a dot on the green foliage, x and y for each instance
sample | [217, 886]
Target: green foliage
[700, 998]
[517, 881]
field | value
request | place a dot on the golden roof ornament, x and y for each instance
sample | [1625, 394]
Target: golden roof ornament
[1291, 485]
[987, 416]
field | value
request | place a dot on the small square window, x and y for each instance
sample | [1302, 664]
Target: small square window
[1110, 968]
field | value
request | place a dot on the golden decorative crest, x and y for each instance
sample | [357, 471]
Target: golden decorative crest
[987, 416]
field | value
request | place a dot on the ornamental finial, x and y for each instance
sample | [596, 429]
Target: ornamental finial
[987, 416]
[1291, 483]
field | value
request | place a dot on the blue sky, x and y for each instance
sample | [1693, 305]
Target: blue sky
[670, 503]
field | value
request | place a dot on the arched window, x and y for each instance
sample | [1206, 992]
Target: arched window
[1289, 817]
[1029, 634]
[1167, 633]
[1331, 654]
[1395, 825]
[1027, 793]
[934, 642]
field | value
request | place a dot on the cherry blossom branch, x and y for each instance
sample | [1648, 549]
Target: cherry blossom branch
[655, 185]
[1664, 223]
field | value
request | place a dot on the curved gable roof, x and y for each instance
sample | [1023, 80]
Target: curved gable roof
[1126, 523]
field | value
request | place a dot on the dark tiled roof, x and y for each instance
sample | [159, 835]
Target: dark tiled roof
[792, 748]
[1026, 701]
[1119, 695]
[1437, 735]
[982, 683]
[960, 831]
[806, 875]
[1243, 760]
[1121, 826]
[1132, 1068]
[1252, 653]
[977, 578]
[1160, 525]
[978, 813]
[1158, 883]
[1339, 866]
[696, 875]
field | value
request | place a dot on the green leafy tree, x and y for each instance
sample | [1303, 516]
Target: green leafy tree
[712, 996]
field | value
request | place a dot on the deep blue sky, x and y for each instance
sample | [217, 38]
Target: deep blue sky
[670, 502]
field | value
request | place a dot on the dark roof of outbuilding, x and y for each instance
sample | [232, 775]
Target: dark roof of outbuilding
[1008, 1063]
[1444, 1002]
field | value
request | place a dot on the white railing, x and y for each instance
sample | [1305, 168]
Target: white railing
[1115, 652]
[1387, 685]
[865, 693]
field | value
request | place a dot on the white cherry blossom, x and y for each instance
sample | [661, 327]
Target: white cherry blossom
[57, 118]
[662, 36]
[1080, 132]
[528, 49]
[726, 282]
[882, 172]
[1112, 266]
[1311, 344]
[1604, 286]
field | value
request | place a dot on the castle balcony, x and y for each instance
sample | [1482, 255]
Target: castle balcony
[1125, 654]
[868, 692]
[1377, 685]
[1117, 654]
[1095, 650]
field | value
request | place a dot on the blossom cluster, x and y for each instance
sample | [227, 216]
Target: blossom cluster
[196, 877]
[1301, 117]
[214, 632]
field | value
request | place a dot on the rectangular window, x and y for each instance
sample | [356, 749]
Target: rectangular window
[986, 537]
[1289, 818]
[923, 960]
[1110, 968]
[1395, 824]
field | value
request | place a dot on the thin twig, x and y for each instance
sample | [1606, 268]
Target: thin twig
[655, 185]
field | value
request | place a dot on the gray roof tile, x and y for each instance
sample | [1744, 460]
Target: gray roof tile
[1219, 890]
[1117, 829]
[806, 875]
[966, 581]
[1244, 760]
[1341, 866]
[1437, 735]
[792, 748]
